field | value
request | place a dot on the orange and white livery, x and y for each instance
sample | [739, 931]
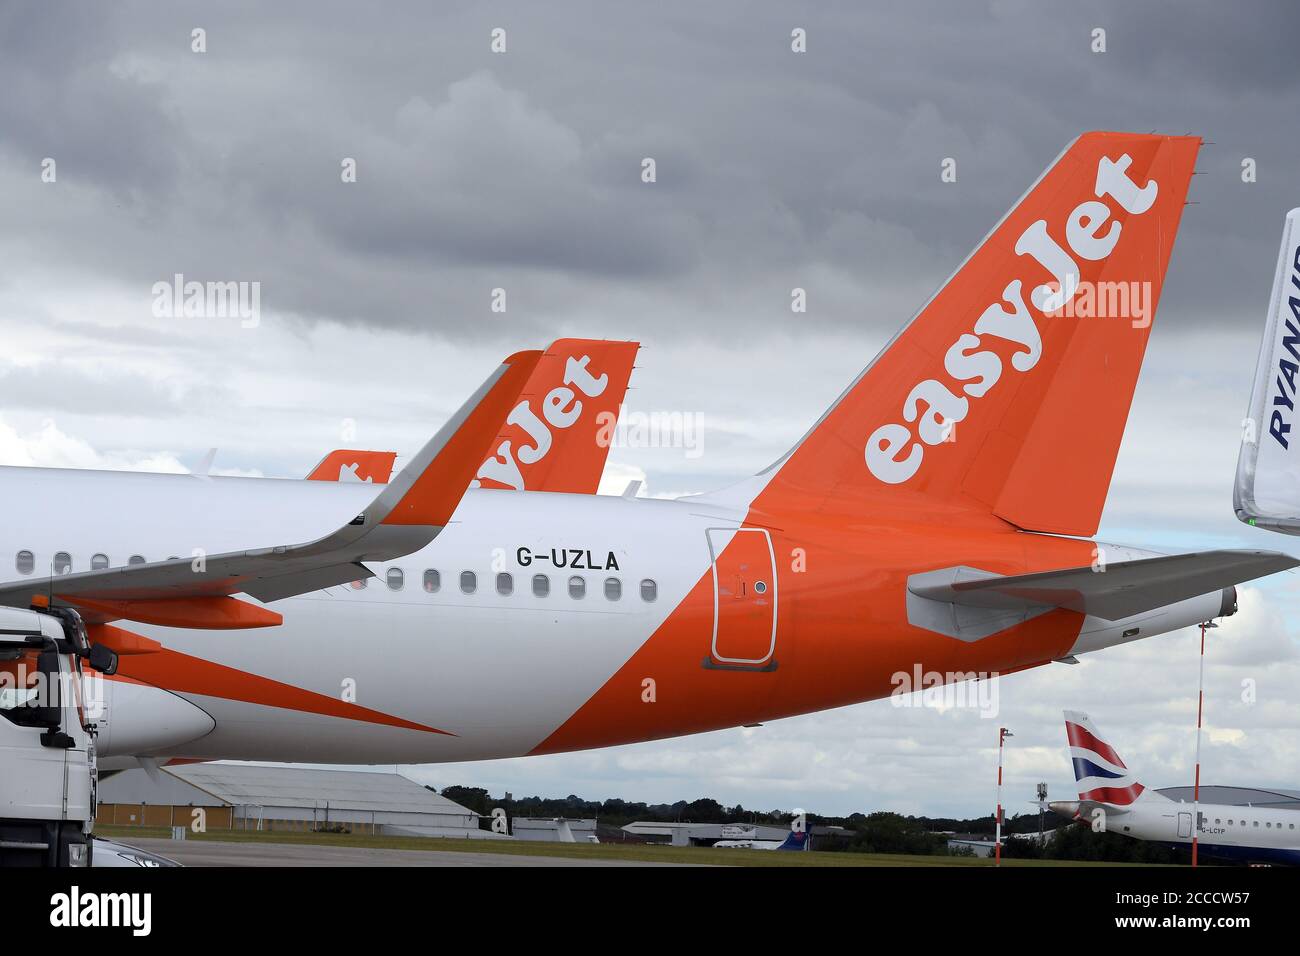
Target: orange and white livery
[937, 515]
[556, 438]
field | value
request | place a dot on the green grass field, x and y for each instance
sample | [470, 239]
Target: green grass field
[604, 851]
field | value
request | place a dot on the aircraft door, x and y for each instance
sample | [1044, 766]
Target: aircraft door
[1184, 824]
[744, 599]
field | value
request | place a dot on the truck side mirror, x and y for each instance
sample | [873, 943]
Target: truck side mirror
[49, 710]
[103, 659]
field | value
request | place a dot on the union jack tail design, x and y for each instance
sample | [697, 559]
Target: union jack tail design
[1098, 769]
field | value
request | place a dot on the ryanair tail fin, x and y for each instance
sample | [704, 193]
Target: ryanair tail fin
[1009, 391]
[1267, 492]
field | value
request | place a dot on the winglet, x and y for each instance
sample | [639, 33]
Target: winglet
[429, 488]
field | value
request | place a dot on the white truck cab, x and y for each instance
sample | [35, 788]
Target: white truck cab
[47, 736]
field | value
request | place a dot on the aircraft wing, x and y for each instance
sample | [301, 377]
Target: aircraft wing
[1267, 489]
[1123, 589]
[406, 515]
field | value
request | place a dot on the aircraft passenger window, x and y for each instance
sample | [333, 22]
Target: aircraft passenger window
[541, 585]
[25, 561]
[98, 562]
[136, 559]
[649, 590]
[432, 581]
[62, 563]
[613, 588]
[505, 583]
[396, 578]
[577, 588]
[468, 582]
[1256, 823]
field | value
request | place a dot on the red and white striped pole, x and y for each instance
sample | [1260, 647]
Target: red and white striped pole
[1200, 715]
[1003, 734]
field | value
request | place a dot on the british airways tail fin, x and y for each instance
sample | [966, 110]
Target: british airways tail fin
[1098, 770]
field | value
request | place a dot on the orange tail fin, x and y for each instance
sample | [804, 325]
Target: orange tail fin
[346, 464]
[557, 437]
[1008, 392]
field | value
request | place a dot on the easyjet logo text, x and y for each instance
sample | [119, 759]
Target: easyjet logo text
[895, 450]
[560, 409]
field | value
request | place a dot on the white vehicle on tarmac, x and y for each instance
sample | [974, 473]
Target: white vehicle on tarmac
[47, 737]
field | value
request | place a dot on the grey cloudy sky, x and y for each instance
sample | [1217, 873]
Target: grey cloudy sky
[522, 171]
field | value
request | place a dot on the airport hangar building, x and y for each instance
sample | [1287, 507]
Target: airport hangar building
[236, 796]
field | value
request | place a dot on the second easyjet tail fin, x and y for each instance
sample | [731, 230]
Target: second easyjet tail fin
[346, 464]
[558, 436]
[1009, 391]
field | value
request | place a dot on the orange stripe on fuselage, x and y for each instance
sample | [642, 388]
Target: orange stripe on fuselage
[842, 633]
[180, 673]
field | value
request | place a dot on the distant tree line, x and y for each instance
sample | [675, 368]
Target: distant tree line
[877, 832]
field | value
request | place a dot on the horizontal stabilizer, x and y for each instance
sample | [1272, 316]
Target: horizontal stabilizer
[1121, 590]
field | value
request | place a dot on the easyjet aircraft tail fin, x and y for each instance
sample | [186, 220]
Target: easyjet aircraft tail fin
[346, 464]
[1008, 392]
[558, 437]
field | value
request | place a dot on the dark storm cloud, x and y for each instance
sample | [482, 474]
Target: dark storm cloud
[522, 170]
[61, 97]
